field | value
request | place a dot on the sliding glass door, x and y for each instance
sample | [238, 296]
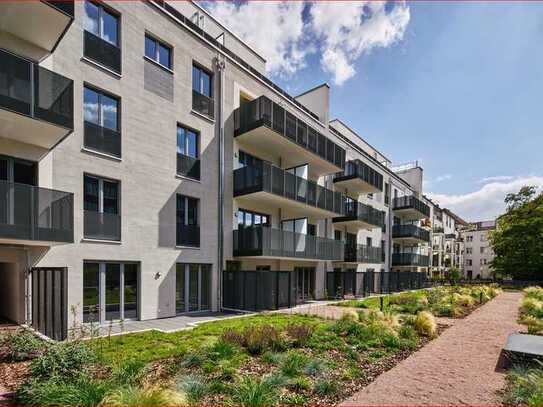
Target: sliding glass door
[193, 287]
[110, 291]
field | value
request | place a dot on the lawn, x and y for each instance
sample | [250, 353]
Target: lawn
[267, 359]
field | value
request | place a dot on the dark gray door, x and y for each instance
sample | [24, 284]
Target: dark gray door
[49, 301]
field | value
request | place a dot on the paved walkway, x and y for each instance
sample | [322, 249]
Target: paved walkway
[456, 368]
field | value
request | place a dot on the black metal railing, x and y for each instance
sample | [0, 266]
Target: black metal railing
[355, 210]
[266, 241]
[66, 6]
[410, 259]
[203, 104]
[32, 90]
[411, 202]
[269, 178]
[358, 169]
[101, 51]
[188, 166]
[33, 213]
[360, 253]
[102, 139]
[399, 231]
[263, 112]
[188, 235]
[102, 226]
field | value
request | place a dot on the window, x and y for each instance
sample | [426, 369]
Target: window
[387, 193]
[110, 291]
[101, 37]
[469, 262]
[188, 229]
[249, 218]
[483, 238]
[202, 91]
[188, 149]
[469, 238]
[337, 235]
[193, 287]
[158, 51]
[481, 250]
[102, 124]
[102, 206]
[469, 250]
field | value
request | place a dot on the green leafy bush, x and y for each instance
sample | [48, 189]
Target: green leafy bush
[68, 360]
[21, 345]
[524, 387]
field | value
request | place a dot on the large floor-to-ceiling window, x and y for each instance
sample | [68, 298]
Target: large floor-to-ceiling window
[193, 287]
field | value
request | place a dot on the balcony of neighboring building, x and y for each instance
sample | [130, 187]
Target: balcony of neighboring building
[360, 215]
[263, 125]
[410, 234]
[34, 28]
[410, 208]
[266, 184]
[360, 253]
[359, 178]
[36, 105]
[30, 215]
[266, 242]
[410, 260]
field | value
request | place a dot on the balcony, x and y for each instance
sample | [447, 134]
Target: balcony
[360, 253]
[102, 139]
[260, 241]
[188, 166]
[188, 235]
[410, 234]
[361, 216]
[410, 208]
[36, 105]
[35, 216]
[268, 184]
[359, 178]
[203, 104]
[39, 23]
[102, 52]
[410, 260]
[262, 125]
[102, 226]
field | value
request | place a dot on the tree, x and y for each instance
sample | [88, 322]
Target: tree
[518, 239]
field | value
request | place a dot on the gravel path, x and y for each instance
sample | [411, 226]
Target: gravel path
[456, 368]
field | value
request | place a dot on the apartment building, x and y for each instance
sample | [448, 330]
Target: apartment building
[447, 242]
[478, 251]
[150, 169]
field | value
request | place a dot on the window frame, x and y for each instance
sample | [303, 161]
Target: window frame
[101, 192]
[200, 68]
[198, 140]
[186, 199]
[101, 8]
[100, 92]
[158, 43]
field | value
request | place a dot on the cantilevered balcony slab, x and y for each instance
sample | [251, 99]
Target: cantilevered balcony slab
[268, 185]
[410, 234]
[35, 216]
[359, 178]
[36, 105]
[410, 260]
[361, 216]
[39, 23]
[410, 208]
[265, 242]
[264, 126]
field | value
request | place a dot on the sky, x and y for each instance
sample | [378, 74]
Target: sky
[456, 86]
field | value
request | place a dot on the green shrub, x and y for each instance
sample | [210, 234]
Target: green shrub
[349, 315]
[314, 367]
[81, 392]
[222, 350]
[534, 292]
[426, 324]
[21, 345]
[532, 306]
[533, 324]
[271, 358]
[129, 373]
[524, 387]
[293, 363]
[325, 387]
[293, 399]
[299, 334]
[134, 396]
[192, 359]
[64, 360]
[299, 384]
[255, 392]
[194, 387]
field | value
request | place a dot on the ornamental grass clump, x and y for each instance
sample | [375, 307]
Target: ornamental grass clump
[534, 292]
[531, 306]
[256, 392]
[135, 396]
[299, 334]
[425, 324]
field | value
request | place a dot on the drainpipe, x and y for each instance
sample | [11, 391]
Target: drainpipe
[220, 65]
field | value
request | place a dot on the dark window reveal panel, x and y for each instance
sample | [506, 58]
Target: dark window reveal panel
[202, 91]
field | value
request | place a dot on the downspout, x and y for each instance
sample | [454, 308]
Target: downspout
[220, 65]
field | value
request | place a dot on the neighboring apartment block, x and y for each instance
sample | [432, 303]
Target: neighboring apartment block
[478, 250]
[150, 169]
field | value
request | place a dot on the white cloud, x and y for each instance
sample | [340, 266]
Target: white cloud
[487, 202]
[497, 178]
[340, 31]
[444, 177]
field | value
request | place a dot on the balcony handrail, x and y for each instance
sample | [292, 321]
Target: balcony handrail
[38, 92]
[410, 259]
[359, 169]
[365, 213]
[410, 201]
[259, 240]
[262, 111]
[102, 225]
[410, 231]
[64, 6]
[362, 253]
[200, 101]
[267, 177]
[35, 213]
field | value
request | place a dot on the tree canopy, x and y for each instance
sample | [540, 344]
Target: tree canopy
[518, 239]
